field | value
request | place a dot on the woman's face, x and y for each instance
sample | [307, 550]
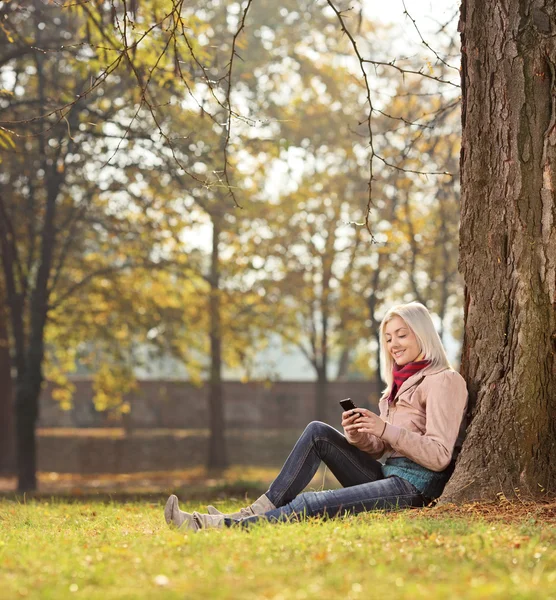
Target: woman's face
[401, 341]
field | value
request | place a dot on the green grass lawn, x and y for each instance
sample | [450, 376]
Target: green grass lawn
[62, 549]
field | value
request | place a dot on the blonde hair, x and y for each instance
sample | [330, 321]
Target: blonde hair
[418, 319]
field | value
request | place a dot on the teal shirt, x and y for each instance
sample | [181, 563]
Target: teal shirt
[429, 483]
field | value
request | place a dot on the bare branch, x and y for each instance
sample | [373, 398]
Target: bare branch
[405, 11]
[371, 109]
[404, 71]
[228, 99]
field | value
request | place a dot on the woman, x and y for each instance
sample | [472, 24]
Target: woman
[414, 437]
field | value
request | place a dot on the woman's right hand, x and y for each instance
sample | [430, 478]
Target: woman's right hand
[349, 418]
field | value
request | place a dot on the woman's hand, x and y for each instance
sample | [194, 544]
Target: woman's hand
[368, 422]
[348, 419]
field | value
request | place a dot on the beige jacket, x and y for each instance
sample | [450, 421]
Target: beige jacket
[424, 420]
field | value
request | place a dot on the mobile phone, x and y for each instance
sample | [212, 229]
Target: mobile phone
[347, 404]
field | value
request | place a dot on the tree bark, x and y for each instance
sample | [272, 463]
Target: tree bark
[508, 248]
[217, 458]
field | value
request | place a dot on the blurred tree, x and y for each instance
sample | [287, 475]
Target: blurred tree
[321, 268]
[72, 207]
[276, 52]
[313, 259]
[116, 326]
[415, 216]
[7, 446]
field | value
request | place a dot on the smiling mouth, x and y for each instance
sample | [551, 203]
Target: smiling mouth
[398, 354]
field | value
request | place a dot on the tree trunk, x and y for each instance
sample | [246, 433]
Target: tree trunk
[343, 364]
[378, 376]
[321, 395]
[26, 413]
[372, 302]
[7, 437]
[217, 458]
[508, 248]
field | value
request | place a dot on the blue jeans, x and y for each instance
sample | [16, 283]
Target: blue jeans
[365, 487]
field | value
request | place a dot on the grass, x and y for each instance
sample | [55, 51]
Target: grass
[63, 549]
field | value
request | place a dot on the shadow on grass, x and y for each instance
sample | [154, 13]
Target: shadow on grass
[195, 483]
[237, 490]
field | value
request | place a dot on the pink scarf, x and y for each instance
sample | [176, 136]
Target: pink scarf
[401, 374]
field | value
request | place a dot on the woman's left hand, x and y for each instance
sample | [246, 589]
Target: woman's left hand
[368, 422]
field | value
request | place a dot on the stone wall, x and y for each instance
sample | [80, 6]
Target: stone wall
[167, 428]
[144, 451]
[181, 405]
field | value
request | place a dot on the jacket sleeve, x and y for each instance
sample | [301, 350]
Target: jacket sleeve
[369, 443]
[446, 401]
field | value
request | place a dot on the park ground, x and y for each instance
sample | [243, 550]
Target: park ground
[89, 542]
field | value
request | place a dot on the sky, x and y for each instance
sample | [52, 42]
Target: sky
[427, 14]
[429, 18]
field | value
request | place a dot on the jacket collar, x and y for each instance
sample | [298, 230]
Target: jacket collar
[416, 378]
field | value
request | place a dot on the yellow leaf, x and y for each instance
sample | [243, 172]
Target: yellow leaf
[6, 140]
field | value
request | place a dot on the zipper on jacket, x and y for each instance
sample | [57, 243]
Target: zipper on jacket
[388, 413]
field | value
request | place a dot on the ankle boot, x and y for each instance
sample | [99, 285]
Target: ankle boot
[259, 507]
[183, 520]
[204, 521]
[176, 517]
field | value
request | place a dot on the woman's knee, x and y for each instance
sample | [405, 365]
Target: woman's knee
[318, 429]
